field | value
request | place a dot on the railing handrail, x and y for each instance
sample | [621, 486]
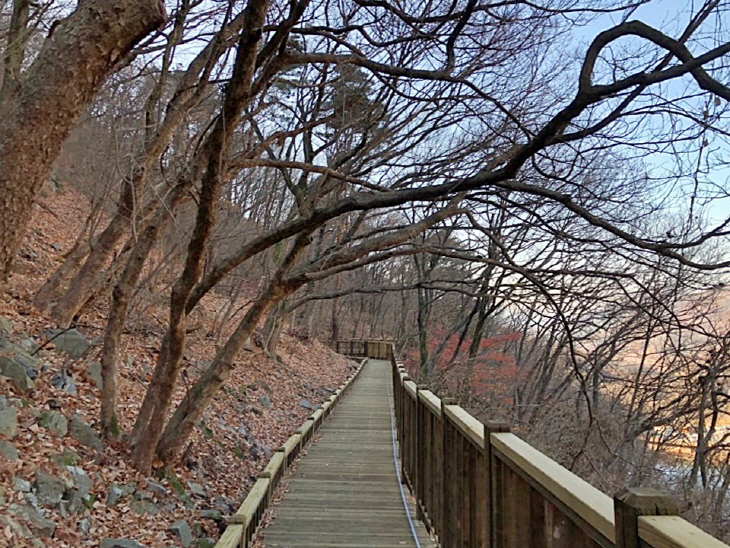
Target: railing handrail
[467, 477]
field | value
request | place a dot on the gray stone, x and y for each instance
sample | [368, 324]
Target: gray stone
[21, 485]
[306, 404]
[8, 450]
[84, 525]
[30, 363]
[28, 344]
[157, 488]
[93, 374]
[68, 457]
[48, 488]
[84, 434]
[64, 382]
[41, 525]
[18, 529]
[5, 326]
[113, 495]
[16, 373]
[196, 489]
[82, 481]
[265, 401]
[55, 422]
[211, 514]
[181, 529]
[9, 422]
[222, 504]
[143, 507]
[120, 543]
[72, 342]
[4, 403]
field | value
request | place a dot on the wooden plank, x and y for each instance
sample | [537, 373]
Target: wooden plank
[674, 532]
[588, 503]
[251, 504]
[467, 425]
[431, 401]
[290, 444]
[231, 537]
[277, 459]
[411, 388]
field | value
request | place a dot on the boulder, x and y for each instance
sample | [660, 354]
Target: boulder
[84, 526]
[181, 529]
[5, 327]
[8, 451]
[21, 485]
[265, 401]
[92, 374]
[196, 489]
[68, 457]
[84, 434]
[54, 422]
[120, 543]
[17, 374]
[38, 523]
[64, 382]
[48, 488]
[71, 341]
[9, 422]
[306, 404]
[16, 528]
[157, 488]
[144, 507]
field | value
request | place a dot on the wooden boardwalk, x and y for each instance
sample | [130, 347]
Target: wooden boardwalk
[345, 491]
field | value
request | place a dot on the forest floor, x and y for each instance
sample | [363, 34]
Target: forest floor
[56, 489]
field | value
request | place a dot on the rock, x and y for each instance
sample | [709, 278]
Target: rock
[55, 422]
[21, 485]
[8, 450]
[211, 514]
[181, 529]
[9, 422]
[68, 457]
[84, 434]
[5, 327]
[205, 542]
[16, 373]
[48, 488]
[196, 489]
[242, 430]
[84, 525]
[118, 491]
[113, 495]
[64, 382]
[120, 543]
[30, 363]
[4, 403]
[157, 488]
[18, 529]
[256, 411]
[56, 247]
[222, 505]
[93, 374]
[265, 401]
[306, 404]
[143, 507]
[72, 342]
[41, 525]
[29, 345]
[82, 482]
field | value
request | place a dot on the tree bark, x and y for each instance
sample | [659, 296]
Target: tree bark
[212, 164]
[56, 88]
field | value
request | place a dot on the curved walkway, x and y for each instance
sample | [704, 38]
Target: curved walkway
[345, 491]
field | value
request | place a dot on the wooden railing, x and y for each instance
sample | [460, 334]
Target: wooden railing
[242, 525]
[478, 485]
[379, 350]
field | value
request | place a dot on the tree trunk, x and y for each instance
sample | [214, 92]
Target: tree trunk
[211, 163]
[57, 87]
[121, 297]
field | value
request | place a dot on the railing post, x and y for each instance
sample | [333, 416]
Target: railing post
[632, 502]
[493, 487]
[447, 515]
